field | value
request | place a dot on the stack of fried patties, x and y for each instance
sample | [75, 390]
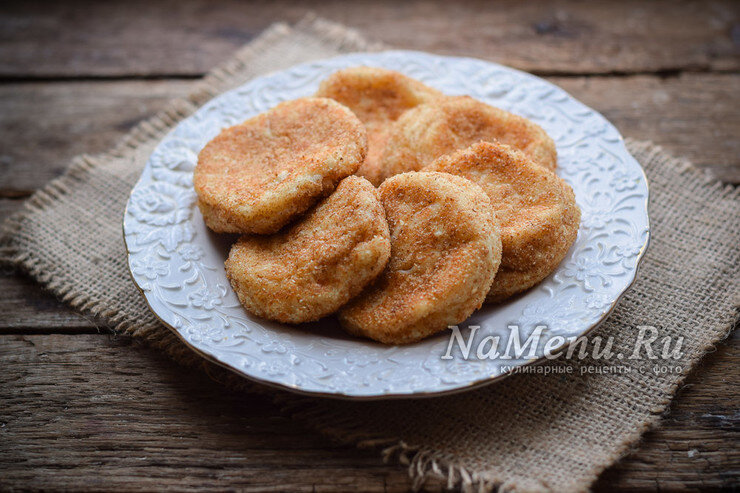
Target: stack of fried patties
[467, 209]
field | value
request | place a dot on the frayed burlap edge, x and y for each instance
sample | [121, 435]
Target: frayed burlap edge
[422, 463]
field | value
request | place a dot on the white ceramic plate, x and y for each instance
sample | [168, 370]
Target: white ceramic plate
[178, 264]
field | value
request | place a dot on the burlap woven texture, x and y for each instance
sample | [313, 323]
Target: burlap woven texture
[527, 433]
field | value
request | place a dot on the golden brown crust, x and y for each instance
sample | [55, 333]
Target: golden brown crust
[445, 250]
[445, 125]
[378, 97]
[257, 176]
[537, 211]
[318, 264]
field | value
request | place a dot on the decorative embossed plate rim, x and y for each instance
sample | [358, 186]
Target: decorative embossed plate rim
[178, 264]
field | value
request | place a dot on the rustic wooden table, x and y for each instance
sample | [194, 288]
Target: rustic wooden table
[83, 409]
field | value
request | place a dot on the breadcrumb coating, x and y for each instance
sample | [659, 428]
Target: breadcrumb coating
[445, 251]
[536, 209]
[378, 97]
[310, 269]
[257, 176]
[447, 124]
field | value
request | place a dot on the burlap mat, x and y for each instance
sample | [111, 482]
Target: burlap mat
[529, 432]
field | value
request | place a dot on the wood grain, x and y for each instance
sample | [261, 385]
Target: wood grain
[110, 414]
[42, 126]
[29, 309]
[95, 412]
[143, 38]
[691, 116]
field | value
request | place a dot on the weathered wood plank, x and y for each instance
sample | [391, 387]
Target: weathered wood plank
[9, 207]
[96, 413]
[26, 308]
[691, 116]
[42, 126]
[91, 412]
[74, 39]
